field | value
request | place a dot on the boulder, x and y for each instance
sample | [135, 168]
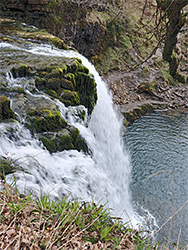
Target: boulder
[5, 111]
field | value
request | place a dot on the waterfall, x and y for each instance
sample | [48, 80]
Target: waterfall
[104, 176]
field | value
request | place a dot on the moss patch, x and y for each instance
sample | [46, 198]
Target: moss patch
[64, 139]
[5, 111]
[21, 71]
[71, 84]
[46, 121]
[130, 117]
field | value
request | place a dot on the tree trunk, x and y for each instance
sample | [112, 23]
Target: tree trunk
[176, 21]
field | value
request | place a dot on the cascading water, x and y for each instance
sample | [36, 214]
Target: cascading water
[105, 175]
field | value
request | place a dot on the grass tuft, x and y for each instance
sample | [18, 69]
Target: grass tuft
[42, 223]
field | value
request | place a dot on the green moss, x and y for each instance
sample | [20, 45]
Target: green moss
[52, 93]
[49, 143]
[78, 141]
[74, 133]
[77, 66]
[65, 142]
[71, 77]
[86, 86]
[78, 59]
[5, 111]
[58, 84]
[65, 139]
[130, 117]
[71, 84]
[58, 43]
[57, 71]
[18, 90]
[21, 71]
[70, 98]
[46, 121]
[81, 145]
[60, 141]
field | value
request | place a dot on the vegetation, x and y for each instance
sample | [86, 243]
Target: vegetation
[5, 111]
[45, 224]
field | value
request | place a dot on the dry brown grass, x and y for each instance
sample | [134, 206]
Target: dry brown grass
[42, 224]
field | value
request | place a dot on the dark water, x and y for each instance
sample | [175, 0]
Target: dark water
[156, 143]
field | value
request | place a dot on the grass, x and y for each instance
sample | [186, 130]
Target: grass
[28, 223]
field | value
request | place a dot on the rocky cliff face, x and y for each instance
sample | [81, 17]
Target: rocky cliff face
[24, 5]
[30, 11]
[89, 26]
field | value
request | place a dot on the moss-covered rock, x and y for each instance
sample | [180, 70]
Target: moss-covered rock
[46, 121]
[5, 111]
[49, 141]
[63, 78]
[72, 84]
[21, 71]
[131, 116]
[65, 139]
[70, 98]
[86, 86]
[56, 84]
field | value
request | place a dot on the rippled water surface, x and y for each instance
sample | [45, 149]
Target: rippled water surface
[157, 143]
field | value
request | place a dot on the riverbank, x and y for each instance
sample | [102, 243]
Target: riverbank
[146, 89]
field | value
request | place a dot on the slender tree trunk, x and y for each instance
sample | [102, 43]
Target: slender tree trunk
[173, 9]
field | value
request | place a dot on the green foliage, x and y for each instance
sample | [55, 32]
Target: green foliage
[5, 168]
[19, 204]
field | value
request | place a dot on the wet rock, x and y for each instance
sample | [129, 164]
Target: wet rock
[65, 139]
[5, 111]
[71, 84]
[46, 121]
[21, 71]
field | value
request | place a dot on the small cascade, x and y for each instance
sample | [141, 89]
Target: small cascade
[104, 175]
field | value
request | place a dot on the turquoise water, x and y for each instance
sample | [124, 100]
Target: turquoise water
[160, 143]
